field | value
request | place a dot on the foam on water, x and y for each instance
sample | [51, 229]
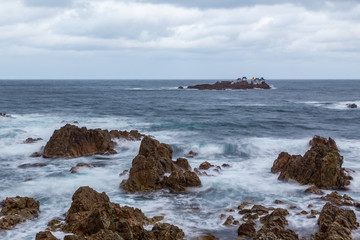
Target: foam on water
[341, 105]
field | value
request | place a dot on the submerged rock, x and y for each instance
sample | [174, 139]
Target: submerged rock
[153, 169]
[352, 105]
[32, 165]
[80, 165]
[205, 165]
[16, 210]
[335, 223]
[32, 140]
[93, 216]
[320, 166]
[71, 141]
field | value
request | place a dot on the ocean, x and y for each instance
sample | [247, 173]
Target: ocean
[246, 129]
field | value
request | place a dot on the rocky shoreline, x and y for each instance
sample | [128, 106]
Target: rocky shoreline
[93, 216]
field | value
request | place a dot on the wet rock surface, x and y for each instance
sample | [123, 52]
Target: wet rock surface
[153, 169]
[47, 235]
[32, 140]
[320, 166]
[79, 166]
[16, 210]
[32, 165]
[337, 199]
[335, 223]
[133, 135]
[71, 141]
[92, 216]
[351, 105]
[222, 85]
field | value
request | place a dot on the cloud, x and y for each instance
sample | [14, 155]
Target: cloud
[227, 30]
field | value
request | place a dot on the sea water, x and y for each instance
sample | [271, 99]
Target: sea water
[246, 129]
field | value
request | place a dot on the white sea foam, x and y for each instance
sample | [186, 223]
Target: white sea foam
[341, 105]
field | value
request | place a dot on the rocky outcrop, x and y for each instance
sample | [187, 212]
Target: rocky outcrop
[205, 165]
[133, 135]
[47, 235]
[337, 199]
[320, 166]
[93, 216]
[16, 210]
[222, 85]
[351, 105]
[153, 169]
[274, 226]
[79, 166]
[247, 229]
[71, 141]
[32, 140]
[335, 223]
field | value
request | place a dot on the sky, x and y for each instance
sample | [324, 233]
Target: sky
[187, 39]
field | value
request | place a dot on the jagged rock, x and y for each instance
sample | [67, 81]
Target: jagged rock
[229, 221]
[80, 165]
[352, 105]
[314, 190]
[242, 205]
[205, 165]
[155, 219]
[124, 173]
[150, 166]
[133, 135]
[32, 140]
[274, 227]
[31, 165]
[191, 154]
[247, 229]
[47, 235]
[183, 163]
[335, 223]
[165, 231]
[225, 165]
[71, 141]
[321, 165]
[207, 236]
[16, 210]
[339, 200]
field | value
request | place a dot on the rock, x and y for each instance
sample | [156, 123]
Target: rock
[247, 229]
[105, 235]
[183, 163]
[191, 154]
[321, 165]
[352, 105]
[32, 140]
[274, 227]
[229, 221]
[71, 141]
[339, 200]
[80, 165]
[222, 85]
[45, 236]
[181, 87]
[55, 225]
[225, 165]
[314, 190]
[155, 219]
[207, 236]
[31, 165]
[150, 166]
[205, 166]
[292, 207]
[36, 154]
[335, 223]
[259, 209]
[133, 135]
[278, 202]
[242, 205]
[124, 173]
[16, 210]
[4, 115]
[165, 231]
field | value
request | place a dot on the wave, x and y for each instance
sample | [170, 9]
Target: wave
[341, 105]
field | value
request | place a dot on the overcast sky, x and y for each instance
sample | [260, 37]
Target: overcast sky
[184, 39]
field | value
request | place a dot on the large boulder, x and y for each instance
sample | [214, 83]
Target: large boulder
[320, 166]
[71, 141]
[93, 216]
[335, 223]
[16, 210]
[153, 169]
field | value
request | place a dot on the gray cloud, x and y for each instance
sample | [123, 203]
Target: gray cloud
[48, 3]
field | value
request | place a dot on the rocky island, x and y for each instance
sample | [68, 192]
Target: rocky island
[238, 84]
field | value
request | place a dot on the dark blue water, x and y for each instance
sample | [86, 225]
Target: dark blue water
[245, 128]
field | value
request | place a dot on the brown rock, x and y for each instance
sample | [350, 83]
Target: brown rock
[207, 236]
[247, 229]
[222, 85]
[321, 165]
[274, 227]
[278, 202]
[16, 210]
[225, 165]
[32, 140]
[205, 166]
[242, 205]
[36, 154]
[353, 105]
[71, 141]
[183, 163]
[45, 236]
[191, 154]
[314, 190]
[155, 219]
[335, 223]
[80, 165]
[133, 135]
[229, 221]
[124, 173]
[339, 200]
[150, 166]
[165, 231]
